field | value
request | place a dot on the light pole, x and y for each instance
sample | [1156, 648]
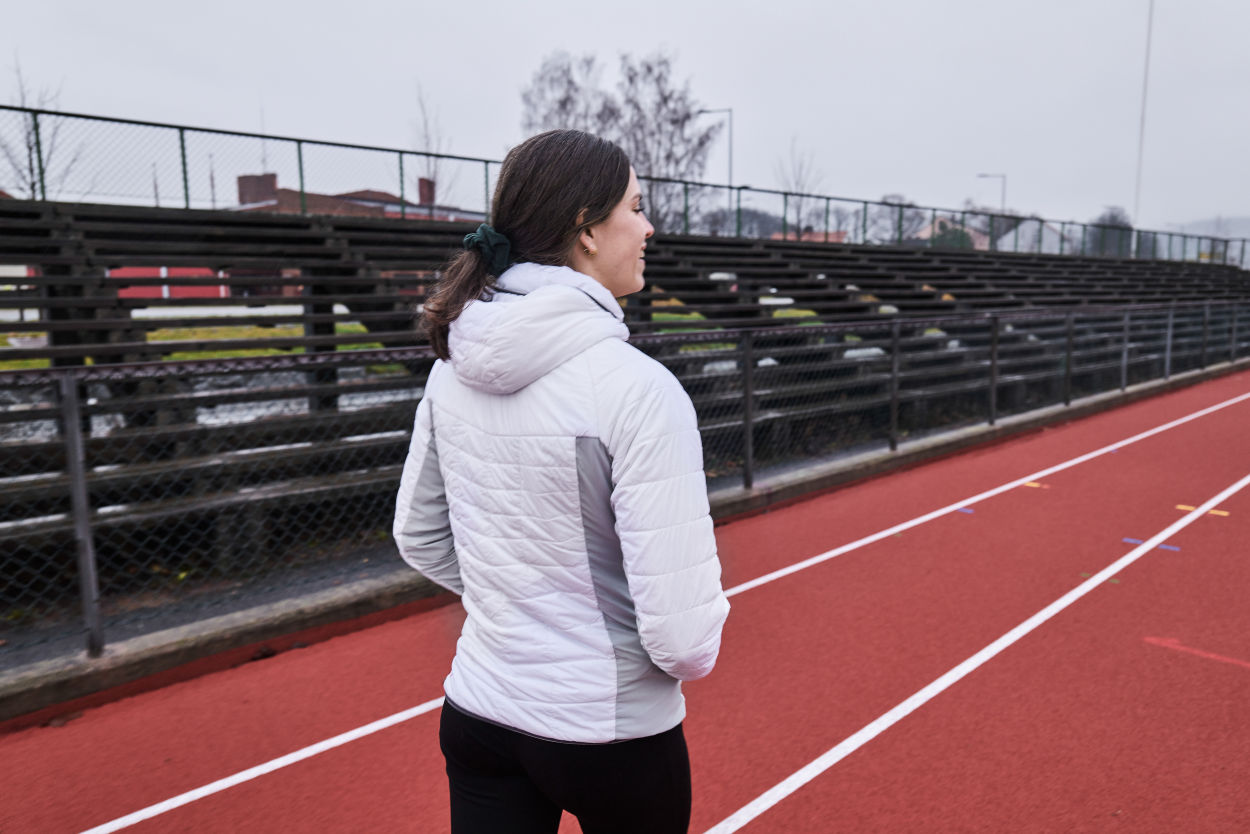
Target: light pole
[1141, 133]
[730, 111]
[1003, 177]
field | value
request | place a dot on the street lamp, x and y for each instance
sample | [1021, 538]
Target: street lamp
[1003, 177]
[730, 111]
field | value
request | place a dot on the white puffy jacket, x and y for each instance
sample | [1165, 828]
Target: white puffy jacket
[555, 480]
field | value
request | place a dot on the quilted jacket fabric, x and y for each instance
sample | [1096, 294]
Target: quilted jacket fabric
[555, 480]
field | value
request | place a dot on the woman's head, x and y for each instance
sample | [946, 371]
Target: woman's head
[561, 195]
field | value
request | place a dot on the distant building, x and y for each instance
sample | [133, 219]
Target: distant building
[260, 192]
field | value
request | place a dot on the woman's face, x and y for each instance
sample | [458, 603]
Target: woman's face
[619, 244]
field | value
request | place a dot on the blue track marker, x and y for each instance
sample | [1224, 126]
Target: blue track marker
[1169, 547]
[1131, 541]
[967, 510]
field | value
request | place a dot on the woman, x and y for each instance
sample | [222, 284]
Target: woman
[555, 481]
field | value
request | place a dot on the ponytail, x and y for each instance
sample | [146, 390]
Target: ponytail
[551, 187]
[467, 278]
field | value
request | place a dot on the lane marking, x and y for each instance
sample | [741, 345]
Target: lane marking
[1175, 645]
[898, 529]
[1187, 508]
[882, 723]
[979, 497]
[261, 769]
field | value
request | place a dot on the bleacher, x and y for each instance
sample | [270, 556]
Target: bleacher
[889, 340]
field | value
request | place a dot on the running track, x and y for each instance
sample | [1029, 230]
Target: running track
[981, 650]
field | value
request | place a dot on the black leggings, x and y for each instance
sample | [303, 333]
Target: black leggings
[505, 782]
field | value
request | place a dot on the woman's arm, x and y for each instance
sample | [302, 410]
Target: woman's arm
[422, 529]
[659, 497]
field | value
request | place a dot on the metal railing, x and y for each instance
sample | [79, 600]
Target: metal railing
[50, 155]
[133, 494]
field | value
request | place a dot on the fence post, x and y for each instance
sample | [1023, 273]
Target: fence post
[88, 584]
[1243, 243]
[1206, 330]
[299, 157]
[895, 333]
[785, 215]
[1124, 354]
[1084, 229]
[685, 212]
[1167, 350]
[933, 229]
[186, 182]
[738, 216]
[1232, 335]
[899, 229]
[993, 369]
[863, 235]
[403, 202]
[993, 243]
[486, 188]
[748, 409]
[1070, 352]
[43, 189]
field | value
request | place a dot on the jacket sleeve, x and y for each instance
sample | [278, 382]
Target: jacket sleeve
[659, 497]
[422, 528]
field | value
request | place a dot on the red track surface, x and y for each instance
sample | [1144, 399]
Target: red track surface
[1129, 708]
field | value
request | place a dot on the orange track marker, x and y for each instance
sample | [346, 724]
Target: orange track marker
[1188, 509]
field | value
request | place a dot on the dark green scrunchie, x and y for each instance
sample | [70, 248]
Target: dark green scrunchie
[494, 248]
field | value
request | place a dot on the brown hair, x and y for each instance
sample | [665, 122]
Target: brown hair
[551, 187]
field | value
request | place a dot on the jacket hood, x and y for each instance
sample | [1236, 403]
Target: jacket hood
[540, 317]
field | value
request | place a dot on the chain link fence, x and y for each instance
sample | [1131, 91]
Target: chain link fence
[49, 155]
[155, 493]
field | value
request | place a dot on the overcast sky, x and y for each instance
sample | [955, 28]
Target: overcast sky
[911, 97]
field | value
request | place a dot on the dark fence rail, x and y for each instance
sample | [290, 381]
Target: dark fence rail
[50, 155]
[127, 490]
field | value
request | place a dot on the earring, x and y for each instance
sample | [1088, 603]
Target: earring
[592, 252]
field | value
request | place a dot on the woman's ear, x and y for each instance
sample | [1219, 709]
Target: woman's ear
[586, 242]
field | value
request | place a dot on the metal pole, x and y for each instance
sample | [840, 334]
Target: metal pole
[486, 189]
[748, 410]
[1232, 334]
[863, 238]
[43, 189]
[1069, 356]
[186, 187]
[403, 202]
[785, 216]
[993, 369]
[1167, 350]
[895, 333]
[299, 156]
[900, 224]
[738, 216]
[1124, 354]
[88, 584]
[1206, 325]
[1243, 243]
[932, 228]
[685, 212]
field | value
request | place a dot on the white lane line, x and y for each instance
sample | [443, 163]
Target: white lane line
[882, 723]
[967, 502]
[261, 769]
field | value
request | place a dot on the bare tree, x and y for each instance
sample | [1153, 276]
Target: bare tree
[659, 130]
[36, 158]
[798, 176]
[650, 115]
[565, 93]
[431, 138]
[895, 219]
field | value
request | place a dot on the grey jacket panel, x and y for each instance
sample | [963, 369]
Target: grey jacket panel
[643, 690]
